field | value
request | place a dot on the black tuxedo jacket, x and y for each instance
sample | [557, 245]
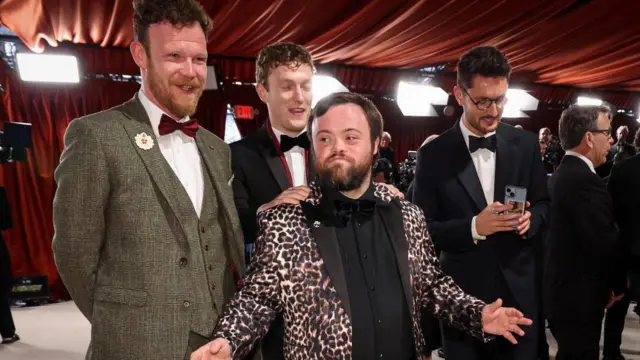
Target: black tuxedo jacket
[624, 187]
[259, 177]
[584, 254]
[447, 188]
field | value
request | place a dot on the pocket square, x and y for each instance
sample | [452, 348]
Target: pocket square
[233, 176]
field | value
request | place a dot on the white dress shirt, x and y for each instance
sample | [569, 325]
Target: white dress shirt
[584, 158]
[180, 151]
[295, 160]
[484, 161]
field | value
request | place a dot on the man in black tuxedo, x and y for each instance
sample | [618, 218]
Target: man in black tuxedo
[7, 327]
[624, 191]
[460, 183]
[273, 160]
[584, 271]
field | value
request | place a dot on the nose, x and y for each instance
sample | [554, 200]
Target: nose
[493, 110]
[297, 95]
[188, 69]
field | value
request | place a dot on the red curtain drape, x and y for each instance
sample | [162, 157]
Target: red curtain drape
[30, 184]
[561, 42]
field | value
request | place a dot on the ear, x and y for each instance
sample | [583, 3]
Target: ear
[588, 137]
[262, 92]
[457, 92]
[376, 144]
[139, 54]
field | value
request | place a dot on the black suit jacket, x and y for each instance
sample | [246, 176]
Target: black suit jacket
[5, 258]
[584, 253]
[624, 187]
[447, 188]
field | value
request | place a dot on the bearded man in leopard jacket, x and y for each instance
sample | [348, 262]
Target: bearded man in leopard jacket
[351, 266]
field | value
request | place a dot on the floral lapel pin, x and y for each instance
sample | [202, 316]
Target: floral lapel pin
[144, 141]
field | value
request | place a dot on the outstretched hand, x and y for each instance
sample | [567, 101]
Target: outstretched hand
[218, 349]
[501, 321]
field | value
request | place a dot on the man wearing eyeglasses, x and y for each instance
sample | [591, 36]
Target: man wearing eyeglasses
[460, 184]
[584, 272]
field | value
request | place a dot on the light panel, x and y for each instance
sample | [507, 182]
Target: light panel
[48, 68]
[323, 86]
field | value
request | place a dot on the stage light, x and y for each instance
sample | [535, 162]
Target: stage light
[48, 68]
[324, 86]
[588, 101]
[417, 99]
[519, 101]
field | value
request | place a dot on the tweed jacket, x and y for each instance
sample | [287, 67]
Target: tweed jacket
[127, 239]
[297, 270]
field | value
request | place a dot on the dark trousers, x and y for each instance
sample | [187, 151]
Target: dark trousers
[577, 332]
[7, 327]
[613, 326]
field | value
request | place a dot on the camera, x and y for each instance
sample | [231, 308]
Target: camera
[510, 192]
[14, 141]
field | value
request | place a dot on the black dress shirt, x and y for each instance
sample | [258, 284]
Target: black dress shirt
[381, 320]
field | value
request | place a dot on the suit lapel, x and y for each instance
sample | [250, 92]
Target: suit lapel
[157, 167]
[465, 170]
[273, 160]
[214, 169]
[391, 216]
[506, 165]
[327, 241]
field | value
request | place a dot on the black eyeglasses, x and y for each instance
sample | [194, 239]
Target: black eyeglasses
[484, 104]
[606, 132]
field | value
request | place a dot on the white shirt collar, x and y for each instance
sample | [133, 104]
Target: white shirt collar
[154, 112]
[279, 133]
[584, 158]
[466, 132]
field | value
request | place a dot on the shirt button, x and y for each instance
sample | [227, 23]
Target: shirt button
[373, 288]
[202, 229]
[210, 267]
[379, 321]
[184, 262]
[365, 256]
[213, 287]
[186, 304]
[206, 248]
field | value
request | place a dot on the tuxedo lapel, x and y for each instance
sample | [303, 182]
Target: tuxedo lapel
[155, 163]
[272, 157]
[391, 216]
[506, 165]
[327, 241]
[465, 170]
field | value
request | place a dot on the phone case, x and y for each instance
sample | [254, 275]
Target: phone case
[517, 196]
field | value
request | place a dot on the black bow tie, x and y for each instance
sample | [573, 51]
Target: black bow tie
[287, 142]
[476, 143]
[358, 210]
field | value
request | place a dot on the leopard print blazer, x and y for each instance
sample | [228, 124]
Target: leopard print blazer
[287, 274]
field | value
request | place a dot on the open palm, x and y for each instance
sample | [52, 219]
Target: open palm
[501, 321]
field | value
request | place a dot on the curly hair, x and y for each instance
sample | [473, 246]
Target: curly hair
[282, 53]
[485, 61]
[576, 121]
[177, 12]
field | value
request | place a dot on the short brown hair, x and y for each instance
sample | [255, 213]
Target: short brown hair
[282, 53]
[576, 121]
[374, 118]
[177, 12]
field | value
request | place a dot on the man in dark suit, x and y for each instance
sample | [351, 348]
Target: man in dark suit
[460, 182]
[274, 160]
[624, 191]
[584, 272]
[7, 327]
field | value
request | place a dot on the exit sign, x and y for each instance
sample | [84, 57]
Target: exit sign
[243, 112]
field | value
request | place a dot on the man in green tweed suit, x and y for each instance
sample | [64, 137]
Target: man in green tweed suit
[147, 238]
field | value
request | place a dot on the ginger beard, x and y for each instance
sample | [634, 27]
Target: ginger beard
[342, 172]
[181, 103]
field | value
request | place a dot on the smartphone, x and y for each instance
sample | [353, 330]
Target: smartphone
[516, 197]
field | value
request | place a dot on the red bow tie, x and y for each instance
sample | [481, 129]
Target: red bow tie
[168, 126]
